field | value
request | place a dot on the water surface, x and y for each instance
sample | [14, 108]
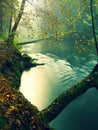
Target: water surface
[42, 84]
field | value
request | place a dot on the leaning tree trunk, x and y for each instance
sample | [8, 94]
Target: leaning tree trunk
[53, 110]
[16, 110]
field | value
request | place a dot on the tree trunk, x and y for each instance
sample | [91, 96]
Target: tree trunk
[53, 110]
[12, 33]
[93, 25]
[18, 112]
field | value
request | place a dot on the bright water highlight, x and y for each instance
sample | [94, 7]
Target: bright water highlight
[42, 84]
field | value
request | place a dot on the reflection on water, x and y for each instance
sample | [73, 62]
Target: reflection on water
[81, 114]
[42, 84]
[36, 85]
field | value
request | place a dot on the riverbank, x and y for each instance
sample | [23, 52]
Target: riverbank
[16, 113]
[12, 63]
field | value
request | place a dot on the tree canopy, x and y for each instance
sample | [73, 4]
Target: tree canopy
[55, 20]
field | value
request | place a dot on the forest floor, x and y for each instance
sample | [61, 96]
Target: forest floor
[16, 113]
[6, 54]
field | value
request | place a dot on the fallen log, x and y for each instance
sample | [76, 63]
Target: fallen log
[56, 107]
[16, 112]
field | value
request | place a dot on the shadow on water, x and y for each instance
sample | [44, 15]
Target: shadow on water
[63, 68]
[81, 114]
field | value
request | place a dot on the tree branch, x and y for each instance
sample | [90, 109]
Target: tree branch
[16, 109]
[93, 25]
[53, 110]
[19, 113]
[34, 41]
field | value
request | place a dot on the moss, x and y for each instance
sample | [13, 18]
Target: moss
[3, 123]
[12, 68]
[28, 62]
[12, 71]
[20, 114]
[3, 37]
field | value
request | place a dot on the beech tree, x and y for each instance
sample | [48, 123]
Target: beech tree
[14, 107]
[17, 20]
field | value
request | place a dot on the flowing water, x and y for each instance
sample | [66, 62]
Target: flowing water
[42, 84]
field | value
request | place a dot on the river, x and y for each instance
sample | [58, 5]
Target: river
[42, 84]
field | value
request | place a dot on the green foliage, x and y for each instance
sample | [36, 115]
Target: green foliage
[3, 37]
[67, 18]
[58, 19]
[3, 123]
[16, 40]
[8, 10]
